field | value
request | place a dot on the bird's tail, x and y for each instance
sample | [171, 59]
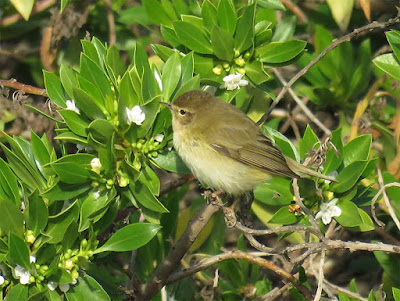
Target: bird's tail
[305, 172]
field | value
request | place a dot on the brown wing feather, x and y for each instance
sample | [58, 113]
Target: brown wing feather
[253, 149]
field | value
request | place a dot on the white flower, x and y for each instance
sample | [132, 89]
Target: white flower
[96, 194]
[158, 79]
[64, 287]
[159, 137]
[233, 81]
[95, 164]
[22, 274]
[135, 115]
[32, 259]
[52, 285]
[1, 279]
[328, 211]
[333, 175]
[82, 147]
[71, 106]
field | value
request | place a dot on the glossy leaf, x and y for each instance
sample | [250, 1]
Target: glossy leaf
[172, 162]
[256, 73]
[284, 30]
[8, 183]
[58, 224]
[389, 64]
[11, 219]
[209, 14]
[130, 238]
[156, 12]
[222, 43]
[171, 75]
[226, 16]
[87, 104]
[350, 216]
[17, 292]
[349, 176]
[271, 4]
[144, 196]
[308, 142]
[279, 52]
[284, 217]
[38, 214]
[245, 29]
[76, 123]
[54, 89]
[18, 251]
[357, 149]
[192, 37]
[275, 192]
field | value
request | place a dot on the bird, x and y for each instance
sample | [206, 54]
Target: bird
[224, 148]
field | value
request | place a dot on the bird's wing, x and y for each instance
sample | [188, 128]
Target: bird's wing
[251, 148]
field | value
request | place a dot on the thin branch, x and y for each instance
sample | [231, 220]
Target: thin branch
[206, 263]
[373, 201]
[305, 109]
[12, 83]
[111, 23]
[345, 291]
[320, 277]
[300, 203]
[335, 43]
[171, 261]
[386, 199]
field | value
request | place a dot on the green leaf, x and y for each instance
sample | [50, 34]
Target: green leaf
[38, 214]
[308, 142]
[130, 237]
[244, 36]
[396, 294]
[226, 16]
[24, 7]
[54, 89]
[17, 292]
[76, 123]
[94, 74]
[102, 130]
[62, 191]
[275, 192]
[284, 217]
[222, 43]
[11, 219]
[8, 183]
[87, 287]
[190, 85]
[144, 196]
[349, 176]
[209, 14]
[18, 251]
[163, 52]
[334, 160]
[71, 137]
[284, 30]
[91, 52]
[58, 224]
[150, 179]
[40, 151]
[171, 75]
[172, 162]
[255, 72]
[192, 37]
[357, 149]
[71, 173]
[393, 38]
[170, 36]
[350, 216]
[272, 4]
[87, 104]
[187, 67]
[389, 64]
[134, 15]
[114, 61]
[156, 12]
[279, 52]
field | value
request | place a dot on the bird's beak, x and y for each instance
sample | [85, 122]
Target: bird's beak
[168, 105]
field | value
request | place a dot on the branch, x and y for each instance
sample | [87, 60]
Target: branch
[206, 263]
[171, 261]
[305, 109]
[333, 45]
[12, 83]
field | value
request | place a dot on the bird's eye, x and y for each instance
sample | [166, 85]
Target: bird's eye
[182, 112]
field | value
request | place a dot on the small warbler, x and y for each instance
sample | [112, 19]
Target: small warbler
[224, 148]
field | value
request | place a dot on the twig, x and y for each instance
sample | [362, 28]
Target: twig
[204, 264]
[111, 23]
[12, 83]
[304, 208]
[167, 266]
[386, 199]
[175, 184]
[298, 101]
[320, 277]
[343, 290]
[335, 43]
[296, 10]
[373, 201]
